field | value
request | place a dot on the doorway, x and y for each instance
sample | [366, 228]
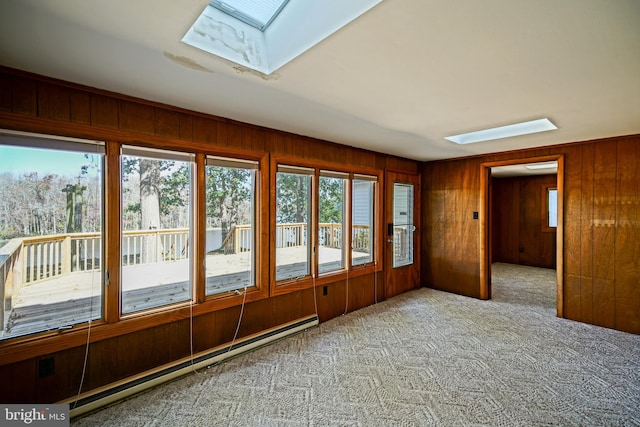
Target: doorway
[486, 201]
[402, 245]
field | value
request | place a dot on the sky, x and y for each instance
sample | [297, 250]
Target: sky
[19, 160]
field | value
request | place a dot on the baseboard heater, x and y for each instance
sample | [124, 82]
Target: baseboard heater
[122, 389]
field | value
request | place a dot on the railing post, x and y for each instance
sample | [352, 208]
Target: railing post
[158, 246]
[66, 255]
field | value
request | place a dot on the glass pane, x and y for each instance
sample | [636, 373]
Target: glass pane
[50, 238]
[229, 260]
[331, 224]
[553, 207]
[292, 225]
[258, 14]
[362, 220]
[402, 224]
[155, 231]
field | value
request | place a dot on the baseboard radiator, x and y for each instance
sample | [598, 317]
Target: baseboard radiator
[127, 387]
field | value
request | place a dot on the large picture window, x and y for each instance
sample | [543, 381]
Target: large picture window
[51, 233]
[331, 236]
[362, 210]
[293, 208]
[156, 232]
[230, 232]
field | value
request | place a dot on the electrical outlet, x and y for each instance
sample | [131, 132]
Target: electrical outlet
[46, 367]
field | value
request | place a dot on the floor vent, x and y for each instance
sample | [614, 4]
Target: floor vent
[114, 392]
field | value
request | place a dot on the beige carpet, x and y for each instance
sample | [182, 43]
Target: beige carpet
[423, 358]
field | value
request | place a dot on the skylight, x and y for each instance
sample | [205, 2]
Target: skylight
[258, 14]
[517, 129]
[264, 35]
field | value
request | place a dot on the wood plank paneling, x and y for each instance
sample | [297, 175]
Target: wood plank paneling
[627, 253]
[602, 189]
[136, 117]
[205, 130]
[604, 210]
[79, 107]
[586, 234]
[517, 218]
[573, 211]
[186, 127]
[104, 111]
[505, 220]
[53, 102]
[24, 376]
[6, 92]
[167, 123]
[604, 233]
[24, 96]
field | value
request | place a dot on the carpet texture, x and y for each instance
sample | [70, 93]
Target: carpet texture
[423, 358]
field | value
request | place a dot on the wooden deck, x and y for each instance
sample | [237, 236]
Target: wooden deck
[76, 297]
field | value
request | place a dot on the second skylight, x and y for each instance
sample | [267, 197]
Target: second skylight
[517, 129]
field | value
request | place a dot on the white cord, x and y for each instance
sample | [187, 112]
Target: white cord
[346, 297]
[235, 335]
[315, 299]
[86, 351]
[375, 283]
[191, 335]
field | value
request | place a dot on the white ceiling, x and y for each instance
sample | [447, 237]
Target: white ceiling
[397, 80]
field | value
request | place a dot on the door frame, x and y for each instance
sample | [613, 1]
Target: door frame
[485, 232]
[391, 282]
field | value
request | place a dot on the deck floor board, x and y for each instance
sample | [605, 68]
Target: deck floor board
[76, 298]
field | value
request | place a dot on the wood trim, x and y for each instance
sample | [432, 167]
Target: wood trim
[485, 235]
[560, 240]
[200, 237]
[112, 203]
[77, 130]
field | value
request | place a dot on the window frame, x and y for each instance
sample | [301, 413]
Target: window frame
[346, 220]
[295, 282]
[113, 323]
[161, 154]
[13, 138]
[254, 165]
[544, 216]
[349, 271]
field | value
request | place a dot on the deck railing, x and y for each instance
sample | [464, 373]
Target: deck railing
[295, 234]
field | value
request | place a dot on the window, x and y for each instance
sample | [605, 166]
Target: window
[257, 14]
[51, 233]
[331, 221]
[549, 208]
[552, 207]
[230, 234]
[293, 207]
[156, 219]
[362, 208]
[403, 227]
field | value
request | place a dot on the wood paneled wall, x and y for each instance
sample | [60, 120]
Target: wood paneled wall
[601, 246]
[517, 214]
[38, 104]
